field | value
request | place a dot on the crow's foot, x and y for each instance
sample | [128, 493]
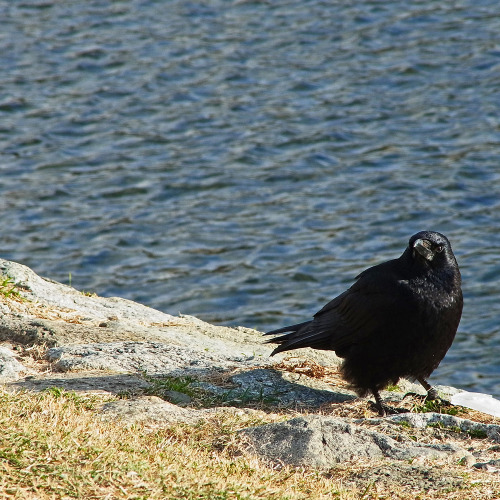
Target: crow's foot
[431, 395]
[384, 410]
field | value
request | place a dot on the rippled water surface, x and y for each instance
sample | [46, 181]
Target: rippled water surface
[242, 161]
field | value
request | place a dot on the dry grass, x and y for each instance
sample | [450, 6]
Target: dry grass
[32, 357]
[54, 445]
[20, 305]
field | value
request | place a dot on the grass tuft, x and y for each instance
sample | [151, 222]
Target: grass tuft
[159, 385]
[393, 388]
[437, 406]
[8, 288]
[201, 398]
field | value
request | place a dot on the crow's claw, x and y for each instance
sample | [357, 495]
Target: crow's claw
[384, 410]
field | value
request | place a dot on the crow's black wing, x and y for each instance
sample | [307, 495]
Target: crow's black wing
[374, 304]
[369, 307]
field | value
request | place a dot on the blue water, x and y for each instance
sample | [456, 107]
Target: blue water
[242, 161]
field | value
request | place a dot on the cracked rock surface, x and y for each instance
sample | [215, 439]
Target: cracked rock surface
[320, 441]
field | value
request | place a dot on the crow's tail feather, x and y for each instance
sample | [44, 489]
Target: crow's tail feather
[292, 328]
[298, 336]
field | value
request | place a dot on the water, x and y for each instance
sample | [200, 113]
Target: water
[242, 161]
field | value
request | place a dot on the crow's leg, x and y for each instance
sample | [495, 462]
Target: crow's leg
[431, 392]
[383, 409]
[378, 403]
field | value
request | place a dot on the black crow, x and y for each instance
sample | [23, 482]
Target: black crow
[397, 320]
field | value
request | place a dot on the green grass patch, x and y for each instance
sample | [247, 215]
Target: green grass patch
[473, 433]
[437, 406]
[202, 398]
[393, 388]
[159, 385]
[8, 288]
[477, 433]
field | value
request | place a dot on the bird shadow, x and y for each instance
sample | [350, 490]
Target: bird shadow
[270, 388]
[264, 388]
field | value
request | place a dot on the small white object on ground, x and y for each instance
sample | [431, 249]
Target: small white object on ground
[477, 401]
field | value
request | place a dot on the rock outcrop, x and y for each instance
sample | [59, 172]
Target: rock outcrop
[323, 441]
[201, 371]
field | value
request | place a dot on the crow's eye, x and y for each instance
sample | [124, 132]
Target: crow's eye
[439, 248]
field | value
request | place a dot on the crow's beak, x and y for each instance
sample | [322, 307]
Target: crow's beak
[423, 247]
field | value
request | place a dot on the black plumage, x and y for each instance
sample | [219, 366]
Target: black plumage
[397, 320]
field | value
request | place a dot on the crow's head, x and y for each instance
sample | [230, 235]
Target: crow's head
[431, 248]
